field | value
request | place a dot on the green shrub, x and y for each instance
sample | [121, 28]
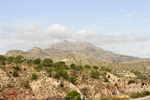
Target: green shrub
[94, 74]
[17, 68]
[10, 59]
[37, 61]
[15, 73]
[34, 76]
[19, 59]
[108, 76]
[50, 70]
[78, 98]
[87, 66]
[71, 95]
[106, 79]
[65, 75]
[95, 67]
[105, 69]
[47, 62]
[2, 59]
[131, 82]
[29, 61]
[72, 66]
[26, 84]
[73, 80]
[38, 68]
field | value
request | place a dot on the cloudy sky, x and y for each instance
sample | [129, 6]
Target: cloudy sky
[120, 26]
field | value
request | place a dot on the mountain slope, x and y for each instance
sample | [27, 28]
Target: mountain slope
[80, 52]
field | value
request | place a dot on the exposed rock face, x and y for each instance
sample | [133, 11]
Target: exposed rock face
[78, 52]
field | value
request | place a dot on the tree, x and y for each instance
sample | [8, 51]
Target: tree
[72, 66]
[71, 95]
[15, 73]
[26, 84]
[87, 66]
[47, 62]
[19, 59]
[94, 74]
[29, 61]
[2, 59]
[73, 79]
[34, 76]
[37, 61]
[10, 59]
[95, 67]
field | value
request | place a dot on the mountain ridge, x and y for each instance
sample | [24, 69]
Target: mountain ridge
[80, 51]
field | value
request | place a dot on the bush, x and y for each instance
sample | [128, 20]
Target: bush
[94, 74]
[131, 82]
[65, 75]
[71, 95]
[38, 68]
[105, 69]
[73, 79]
[106, 79]
[95, 67]
[37, 61]
[108, 76]
[47, 62]
[139, 94]
[19, 59]
[10, 59]
[2, 59]
[17, 67]
[30, 61]
[78, 97]
[87, 66]
[50, 70]
[34, 76]
[15, 73]
[72, 66]
[26, 84]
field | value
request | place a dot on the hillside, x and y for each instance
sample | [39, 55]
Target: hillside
[78, 52]
[26, 79]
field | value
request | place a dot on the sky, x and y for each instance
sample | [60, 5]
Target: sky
[120, 26]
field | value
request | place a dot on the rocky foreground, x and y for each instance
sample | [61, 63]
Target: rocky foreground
[26, 79]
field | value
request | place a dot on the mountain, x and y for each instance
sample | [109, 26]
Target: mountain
[80, 52]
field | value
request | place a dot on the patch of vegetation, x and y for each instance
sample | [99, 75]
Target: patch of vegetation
[72, 66]
[47, 62]
[131, 82]
[29, 61]
[105, 69]
[10, 59]
[95, 67]
[19, 59]
[34, 76]
[139, 94]
[87, 66]
[73, 79]
[26, 84]
[15, 73]
[139, 75]
[2, 59]
[94, 74]
[38, 67]
[73, 95]
[37, 61]
[106, 79]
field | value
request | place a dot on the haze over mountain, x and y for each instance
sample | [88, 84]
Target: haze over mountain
[79, 52]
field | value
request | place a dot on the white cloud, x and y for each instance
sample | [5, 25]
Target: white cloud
[126, 15]
[129, 14]
[26, 37]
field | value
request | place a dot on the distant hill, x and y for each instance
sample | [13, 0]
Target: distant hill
[80, 52]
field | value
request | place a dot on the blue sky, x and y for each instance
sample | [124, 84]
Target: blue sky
[120, 26]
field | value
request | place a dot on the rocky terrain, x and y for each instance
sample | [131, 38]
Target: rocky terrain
[46, 74]
[73, 52]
